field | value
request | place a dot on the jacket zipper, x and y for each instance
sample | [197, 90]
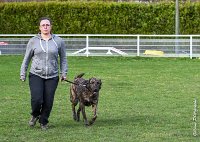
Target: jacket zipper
[47, 58]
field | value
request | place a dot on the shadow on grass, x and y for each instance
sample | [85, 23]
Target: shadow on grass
[112, 121]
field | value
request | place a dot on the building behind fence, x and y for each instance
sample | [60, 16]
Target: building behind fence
[113, 45]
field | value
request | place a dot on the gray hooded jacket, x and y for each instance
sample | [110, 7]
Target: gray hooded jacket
[44, 55]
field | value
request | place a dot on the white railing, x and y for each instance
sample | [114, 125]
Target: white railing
[113, 45]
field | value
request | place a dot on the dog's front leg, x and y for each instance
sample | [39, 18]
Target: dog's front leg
[94, 109]
[74, 112]
[74, 101]
[84, 115]
[78, 113]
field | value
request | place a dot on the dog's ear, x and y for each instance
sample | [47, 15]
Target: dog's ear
[100, 82]
[90, 80]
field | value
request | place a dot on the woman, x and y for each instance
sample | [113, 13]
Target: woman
[44, 50]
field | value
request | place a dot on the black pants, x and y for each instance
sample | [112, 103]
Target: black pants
[42, 96]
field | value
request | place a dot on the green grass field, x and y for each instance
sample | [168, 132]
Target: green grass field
[141, 100]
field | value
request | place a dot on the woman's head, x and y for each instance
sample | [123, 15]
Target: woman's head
[45, 18]
[45, 25]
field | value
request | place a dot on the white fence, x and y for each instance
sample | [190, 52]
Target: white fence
[113, 45]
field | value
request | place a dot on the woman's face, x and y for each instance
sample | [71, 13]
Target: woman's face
[45, 27]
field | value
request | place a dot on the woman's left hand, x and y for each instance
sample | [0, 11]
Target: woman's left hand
[62, 78]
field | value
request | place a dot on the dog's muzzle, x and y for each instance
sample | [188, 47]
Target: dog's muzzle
[96, 91]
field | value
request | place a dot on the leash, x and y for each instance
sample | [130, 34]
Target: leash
[83, 85]
[75, 83]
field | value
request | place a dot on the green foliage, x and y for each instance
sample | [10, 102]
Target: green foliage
[99, 18]
[190, 18]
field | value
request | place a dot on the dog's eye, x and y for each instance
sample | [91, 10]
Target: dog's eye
[92, 82]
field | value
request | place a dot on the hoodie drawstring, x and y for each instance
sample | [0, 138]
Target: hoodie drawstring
[42, 46]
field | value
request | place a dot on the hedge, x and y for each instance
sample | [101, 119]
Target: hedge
[99, 18]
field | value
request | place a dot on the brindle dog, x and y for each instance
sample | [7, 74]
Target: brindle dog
[86, 93]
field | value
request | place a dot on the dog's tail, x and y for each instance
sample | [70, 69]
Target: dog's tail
[80, 75]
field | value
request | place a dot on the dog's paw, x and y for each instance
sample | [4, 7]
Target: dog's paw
[75, 117]
[86, 125]
[91, 122]
[78, 119]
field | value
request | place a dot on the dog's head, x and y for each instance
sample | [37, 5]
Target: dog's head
[94, 85]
